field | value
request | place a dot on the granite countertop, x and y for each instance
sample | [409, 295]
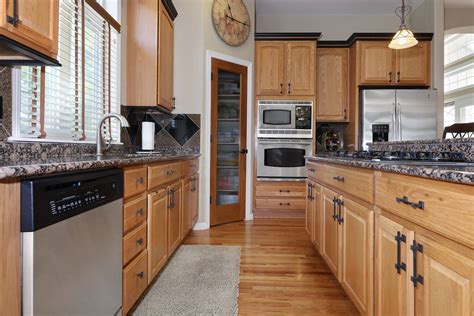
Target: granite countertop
[24, 167]
[453, 173]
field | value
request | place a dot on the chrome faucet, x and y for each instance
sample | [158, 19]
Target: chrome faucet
[99, 140]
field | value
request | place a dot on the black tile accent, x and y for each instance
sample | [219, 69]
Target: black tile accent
[182, 128]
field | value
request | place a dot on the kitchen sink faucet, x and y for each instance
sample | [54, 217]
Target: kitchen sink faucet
[99, 140]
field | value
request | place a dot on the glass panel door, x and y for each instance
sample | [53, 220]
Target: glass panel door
[228, 141]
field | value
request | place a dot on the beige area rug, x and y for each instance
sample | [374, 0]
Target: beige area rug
[199, 280]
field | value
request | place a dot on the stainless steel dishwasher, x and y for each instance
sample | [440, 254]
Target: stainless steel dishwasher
[72, 244]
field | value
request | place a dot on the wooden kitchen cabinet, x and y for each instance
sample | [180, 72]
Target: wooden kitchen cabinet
[330, 249]
[157, 232]
[285, 68]
[174, 216]
[150, 41]
[332, 84]
[309, 222]
[270, 68]
[188, 205]
[317, 216]
[37, 27]
[357, 224]
[135, 281]
[381, 65]
[194, 199]
[394, 293]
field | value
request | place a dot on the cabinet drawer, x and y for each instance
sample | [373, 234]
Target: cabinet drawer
[160, 174]
[189, 167]
[134, 181]
[310, 170]
[134, 212]
[134, 243]
[274, 190]
[357, 182]
[280, 204]
[135, 281]
[445, 208]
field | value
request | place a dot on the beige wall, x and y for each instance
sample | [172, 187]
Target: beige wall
[458, 18]
[332, 27]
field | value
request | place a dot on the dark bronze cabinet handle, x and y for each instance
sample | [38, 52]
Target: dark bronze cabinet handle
[244, 151]
[334, 215]
[390, 76]
[140, 180]
[308, 195]
[400, 265]
[139, 242]
[287, 204]
[285, 191]
[173, 103]
[141, 275]
[281, 88]
[416, 278]
[14, 20]
[404, 200]
[289, 88]
[340, 219]
[345, 114]
[140, 212]
[339, 178]
[311, 169]
[171, 194]
[398, 76]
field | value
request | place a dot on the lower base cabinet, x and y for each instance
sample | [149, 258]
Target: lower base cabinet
[416, 275]
[157, 232]
[174, 216]
[330, 231]
[135, 280]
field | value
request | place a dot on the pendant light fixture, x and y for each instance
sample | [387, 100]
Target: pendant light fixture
[404, 38]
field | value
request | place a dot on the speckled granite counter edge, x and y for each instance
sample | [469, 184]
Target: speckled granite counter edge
[28, 170]
[456, 176]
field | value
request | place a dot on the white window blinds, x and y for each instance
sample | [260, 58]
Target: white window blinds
[65, 103]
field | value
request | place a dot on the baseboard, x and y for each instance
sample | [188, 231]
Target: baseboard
[201, 226]
[249, 217]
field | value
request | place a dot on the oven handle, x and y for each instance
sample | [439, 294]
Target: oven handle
[272, 142]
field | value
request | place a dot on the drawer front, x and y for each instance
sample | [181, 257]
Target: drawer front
[310, 170]
[134, 213]
[134, 181]
[189, 167]
[135, 281]
[356, 182]
[134, 243]
[280, 204]
[161, 174]
[445, 208]
[269, 190]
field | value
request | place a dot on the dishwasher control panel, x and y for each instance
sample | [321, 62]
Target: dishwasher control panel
[48, 200]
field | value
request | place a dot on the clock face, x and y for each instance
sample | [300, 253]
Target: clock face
[231, 21]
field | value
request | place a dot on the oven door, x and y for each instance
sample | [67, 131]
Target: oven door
[276, 117]
[282, 158]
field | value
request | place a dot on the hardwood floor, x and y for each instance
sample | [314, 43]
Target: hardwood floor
[280, 272]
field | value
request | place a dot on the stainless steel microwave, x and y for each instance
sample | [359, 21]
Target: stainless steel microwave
[285, 119]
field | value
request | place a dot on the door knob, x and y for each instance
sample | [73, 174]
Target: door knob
[244, 151]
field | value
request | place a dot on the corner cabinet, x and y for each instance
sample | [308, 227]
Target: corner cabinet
[37, 26]
[285, 68]
[150, 48]
[381, 65]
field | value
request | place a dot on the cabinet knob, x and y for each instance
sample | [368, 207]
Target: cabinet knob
[139, 242]
[141, 275]
[140, 180]
[140, 212]
[390, 76]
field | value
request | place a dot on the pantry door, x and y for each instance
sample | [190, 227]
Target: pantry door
[228, 141]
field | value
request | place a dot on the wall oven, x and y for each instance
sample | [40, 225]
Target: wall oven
[282, 159]
[285, 119]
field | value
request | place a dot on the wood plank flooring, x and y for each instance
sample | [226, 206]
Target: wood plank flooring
[281, 272]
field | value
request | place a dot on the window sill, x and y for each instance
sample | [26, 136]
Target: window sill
[55, 141]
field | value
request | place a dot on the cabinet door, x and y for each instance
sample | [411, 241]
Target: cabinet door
[165, 60]
[376, 63]
[174, 216]
[270, 68]
[195, 199]
[448, 279]
[309, 208]
[332, 84]
[357, 253]
[331, 233]
[38, 24]
[413, 65]
[301, 68]
[317, 224]
[394, 292]
[157, 232]
[188, 200]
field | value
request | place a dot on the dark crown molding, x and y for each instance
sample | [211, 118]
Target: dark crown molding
[370, 37]
[287, 36]
[170, 8]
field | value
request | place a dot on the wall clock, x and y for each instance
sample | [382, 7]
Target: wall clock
[231, 21]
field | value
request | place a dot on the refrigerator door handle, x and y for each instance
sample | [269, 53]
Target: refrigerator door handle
[394, 123]
[399, 116]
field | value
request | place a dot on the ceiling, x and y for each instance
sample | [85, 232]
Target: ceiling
[456, 4]
[333, 7]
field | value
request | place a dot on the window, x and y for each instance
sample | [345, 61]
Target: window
[458, 79]
[65, 103]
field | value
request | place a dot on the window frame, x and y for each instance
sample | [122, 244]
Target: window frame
[16, 85]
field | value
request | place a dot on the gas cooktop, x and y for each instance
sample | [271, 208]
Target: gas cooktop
[406, 156]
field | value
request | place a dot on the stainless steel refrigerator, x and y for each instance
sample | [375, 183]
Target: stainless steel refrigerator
[398, 114]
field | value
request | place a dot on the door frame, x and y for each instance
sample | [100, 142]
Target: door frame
[205, 161]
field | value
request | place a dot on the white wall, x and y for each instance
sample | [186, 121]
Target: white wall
[458, 18]
[195, 41]
[332, 27]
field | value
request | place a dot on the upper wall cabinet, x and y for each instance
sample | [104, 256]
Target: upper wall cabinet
[285, 68]
[32, 24]
[381, 65]
[150, 44]
[332, 84]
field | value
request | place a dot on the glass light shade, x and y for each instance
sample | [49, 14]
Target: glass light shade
[403, 39]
